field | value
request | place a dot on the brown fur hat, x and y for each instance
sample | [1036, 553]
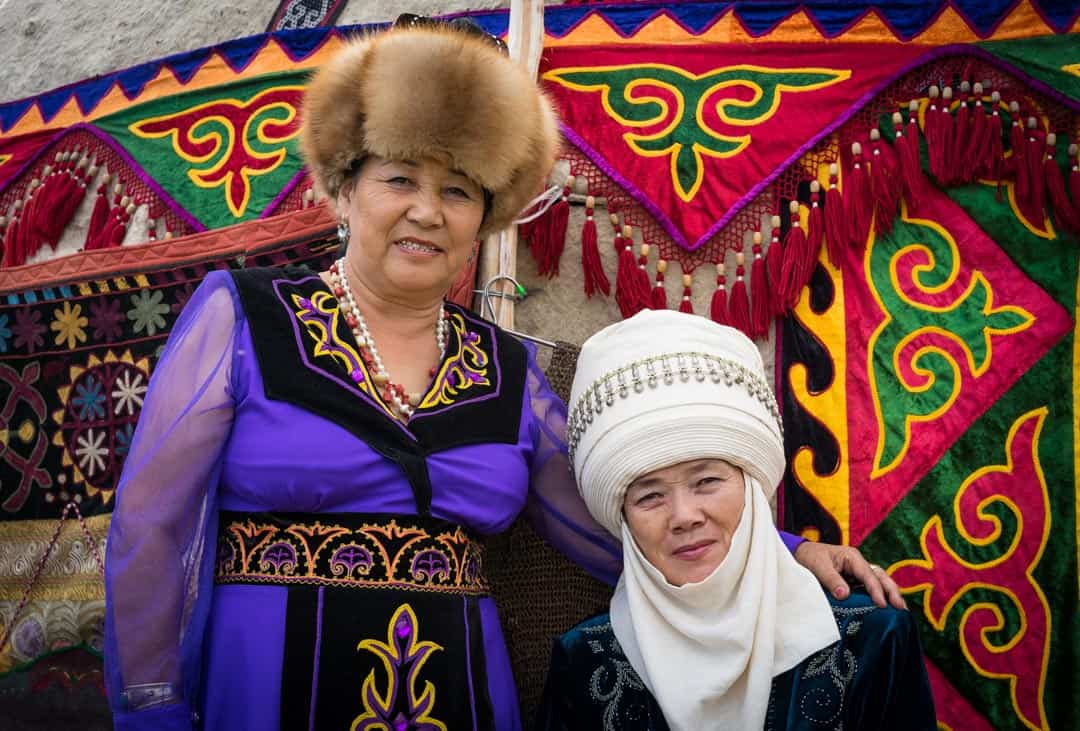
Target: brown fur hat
[431, 92]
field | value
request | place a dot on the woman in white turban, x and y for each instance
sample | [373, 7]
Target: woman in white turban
[677, 447]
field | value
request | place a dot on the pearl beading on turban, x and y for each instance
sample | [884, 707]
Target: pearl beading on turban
[627, 379]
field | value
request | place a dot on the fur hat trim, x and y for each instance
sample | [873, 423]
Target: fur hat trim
[432, 93]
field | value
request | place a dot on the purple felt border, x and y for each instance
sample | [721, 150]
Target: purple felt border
[468, 660]
[315, 665]
[931, 54]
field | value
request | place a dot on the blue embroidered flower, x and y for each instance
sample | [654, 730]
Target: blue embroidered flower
[5, 333]
[123, 439]
[89, 399]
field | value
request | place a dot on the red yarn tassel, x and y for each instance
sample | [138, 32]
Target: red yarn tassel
[947, 139]
[658, 296]
[858, 201]
[29, 239]
[551, 239]
[644, 285]
[815, 234]
[1036, 141]
[11, 239]
[991, 149]
[718, 307]
[959, 163]
[906, 145]
[595, 278]
[774, 270]
[739, 304]
[836, 225]
[626, 288]
[794, 252]
[118, 227]
[976, 147]
[1064, 213]
[1018, 163]
[932, 133]
[99, 215]
[883, 181]
[760, 300]
[616, 240]
[686, 304]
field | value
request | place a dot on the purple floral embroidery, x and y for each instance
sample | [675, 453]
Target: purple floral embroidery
[226, 555]
[105, 318]
[403, 655]
[350, 558]
[429, 564]
[28, 329]
[280, 555]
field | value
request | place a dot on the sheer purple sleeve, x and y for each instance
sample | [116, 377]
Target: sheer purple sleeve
[554, 507]
[791, 540]
[159, 563]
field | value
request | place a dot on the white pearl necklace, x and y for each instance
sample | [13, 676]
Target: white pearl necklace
[401, 405]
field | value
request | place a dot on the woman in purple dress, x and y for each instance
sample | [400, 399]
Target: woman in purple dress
[296, 538]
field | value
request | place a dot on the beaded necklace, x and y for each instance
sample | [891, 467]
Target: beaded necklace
[393, 394]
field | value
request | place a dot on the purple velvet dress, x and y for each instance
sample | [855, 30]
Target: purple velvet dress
[184, 650]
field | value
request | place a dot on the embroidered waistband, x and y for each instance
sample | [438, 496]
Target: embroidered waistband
[366, 551]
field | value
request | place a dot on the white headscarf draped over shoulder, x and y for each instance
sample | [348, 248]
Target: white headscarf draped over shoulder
[659, 389]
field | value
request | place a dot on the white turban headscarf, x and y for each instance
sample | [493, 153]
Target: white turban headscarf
[659, 389]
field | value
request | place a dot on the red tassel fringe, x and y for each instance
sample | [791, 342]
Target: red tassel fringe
[595, 278]
[858, 201]
[739, 303]
[626, 291]
[658, 296]
[906, 145]
[718, 307]
[1064, 213]
[883, 174]
[686, 304]
[815, 234]
[644, 286]
[760, 300]
[1019, 166]
[794, 252]
[774, 270]
[1036, 140]
[836, 225]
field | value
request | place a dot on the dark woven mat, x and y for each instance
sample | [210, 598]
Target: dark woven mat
[540, 594]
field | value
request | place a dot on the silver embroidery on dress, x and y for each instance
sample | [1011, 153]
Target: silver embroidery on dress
[819, 705]
[610, 680]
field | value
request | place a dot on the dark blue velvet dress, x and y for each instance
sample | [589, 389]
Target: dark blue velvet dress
[873, 679]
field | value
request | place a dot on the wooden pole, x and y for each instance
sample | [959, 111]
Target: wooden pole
[498, 254]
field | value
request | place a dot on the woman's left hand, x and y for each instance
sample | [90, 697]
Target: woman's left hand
[830, 564]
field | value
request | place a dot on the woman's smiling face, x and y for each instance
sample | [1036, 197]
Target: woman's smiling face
[683, 517]
[412, 225]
